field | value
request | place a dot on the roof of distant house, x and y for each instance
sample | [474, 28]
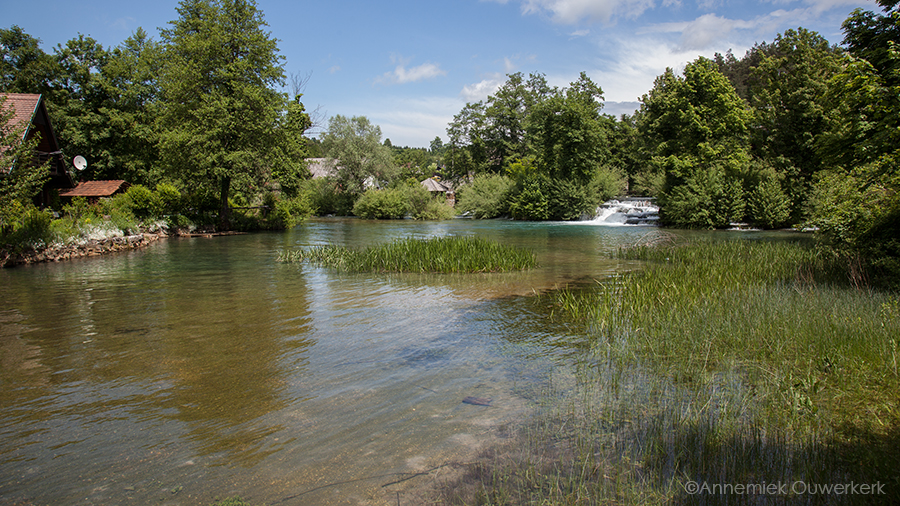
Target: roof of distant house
[435, 186]
[321, 167]
[97, 188]
[24, 106]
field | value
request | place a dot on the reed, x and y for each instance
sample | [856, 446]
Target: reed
[449, 254]
[719, 363]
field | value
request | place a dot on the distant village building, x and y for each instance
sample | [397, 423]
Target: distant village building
[29, 110]
[321, 167]
[435, 186]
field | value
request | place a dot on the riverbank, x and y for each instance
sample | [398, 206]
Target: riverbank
[90, 248]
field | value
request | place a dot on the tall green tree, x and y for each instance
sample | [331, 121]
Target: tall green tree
[856, 202]
[219, 102]
[24, 66]
[695, 132]
[790, 107]
[130, 107]
[354, 147]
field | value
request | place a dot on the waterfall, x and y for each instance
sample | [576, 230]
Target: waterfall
[626, 211]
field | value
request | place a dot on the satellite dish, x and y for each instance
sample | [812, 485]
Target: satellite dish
[80, 163]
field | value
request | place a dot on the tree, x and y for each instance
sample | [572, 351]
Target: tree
[130, 107]
[219, 106]
[695, 133]
[24, 66]
[789, 104]
[569, 133]
[354, 147]
[856, 203]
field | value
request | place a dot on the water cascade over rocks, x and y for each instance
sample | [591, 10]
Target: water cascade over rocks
[627, 211]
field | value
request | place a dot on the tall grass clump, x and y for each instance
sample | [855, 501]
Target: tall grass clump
[439, 255]
[728, 362]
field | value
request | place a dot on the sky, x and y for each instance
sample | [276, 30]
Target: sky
[410, 65]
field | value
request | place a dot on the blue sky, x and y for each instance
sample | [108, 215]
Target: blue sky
[410, 65]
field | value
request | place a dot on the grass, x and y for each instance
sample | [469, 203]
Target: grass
[437, 255]
[717, 363]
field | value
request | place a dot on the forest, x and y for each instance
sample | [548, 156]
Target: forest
[798, 132]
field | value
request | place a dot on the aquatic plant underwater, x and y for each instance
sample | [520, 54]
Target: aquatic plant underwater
[721, 372]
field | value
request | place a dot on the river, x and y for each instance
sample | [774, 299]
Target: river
[201, 368]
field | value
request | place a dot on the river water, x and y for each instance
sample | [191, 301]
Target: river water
[200, 368]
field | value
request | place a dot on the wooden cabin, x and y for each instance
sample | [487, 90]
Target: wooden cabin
[29, 110]
[93, 191]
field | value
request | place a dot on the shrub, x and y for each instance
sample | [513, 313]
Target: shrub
[325, 197]
[168, 199]
[33, 229]
[436, 209]
[486, 197]
[143, 202]
[768, 206]
[382, 204]
[530, 199]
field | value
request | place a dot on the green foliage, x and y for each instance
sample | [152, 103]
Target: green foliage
[569, 134]
[32, 230]
[222, 120]
[767, 205]
[695, 133]
[441, 254]
[384, 204]
[143, 203]
[354, 146]
[168, 198]
[326, 197]
[530, 199]
[436, 209]
[486, 196]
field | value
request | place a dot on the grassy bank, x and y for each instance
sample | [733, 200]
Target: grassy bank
[731, 366]
[439, 254]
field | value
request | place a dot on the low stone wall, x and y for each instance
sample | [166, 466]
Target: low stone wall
[89, 249]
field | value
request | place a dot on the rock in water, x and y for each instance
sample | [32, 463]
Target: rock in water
[478, 401]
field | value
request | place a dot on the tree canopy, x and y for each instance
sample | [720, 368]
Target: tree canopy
[219, 105]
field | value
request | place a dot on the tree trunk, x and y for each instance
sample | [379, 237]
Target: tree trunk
[224, 210]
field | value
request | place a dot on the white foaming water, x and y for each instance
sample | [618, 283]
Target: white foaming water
[629, 211]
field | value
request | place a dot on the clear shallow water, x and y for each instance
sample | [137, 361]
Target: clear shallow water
[202, 368]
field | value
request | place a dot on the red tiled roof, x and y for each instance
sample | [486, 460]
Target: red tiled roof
[96, 188]
[23, 105]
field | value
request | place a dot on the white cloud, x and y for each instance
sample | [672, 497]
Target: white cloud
[481, 90]
[414, 121]
[402, 75]
[580, 33]
[334, 69]
[572, 12]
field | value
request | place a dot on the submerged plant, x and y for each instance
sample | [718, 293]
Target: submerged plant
[731, 362]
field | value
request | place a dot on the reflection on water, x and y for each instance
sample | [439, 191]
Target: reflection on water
[201, 368]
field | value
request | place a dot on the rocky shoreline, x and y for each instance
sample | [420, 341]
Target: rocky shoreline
[88, 249]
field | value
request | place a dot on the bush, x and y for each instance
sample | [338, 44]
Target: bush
[168, 198]
[436, 209]
[487, 196]
[382, 204]
[32, 229]
[768, 206]
[530, 199]
[144, 203]
[325, 197]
